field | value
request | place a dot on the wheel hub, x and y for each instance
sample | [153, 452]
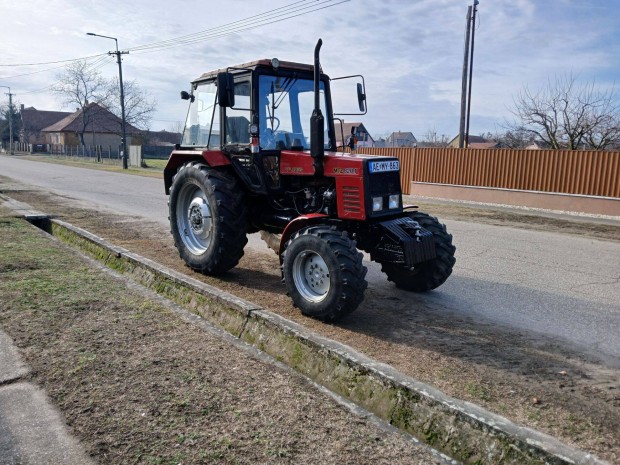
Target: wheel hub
[194, 220]
[311, 276]
[199, 216]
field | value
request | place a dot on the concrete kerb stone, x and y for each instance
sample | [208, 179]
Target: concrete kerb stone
[460, 429]
[13, 367]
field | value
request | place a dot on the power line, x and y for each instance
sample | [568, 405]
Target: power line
[292, 10]
[53, 62]
[289, 11]
[96, 65]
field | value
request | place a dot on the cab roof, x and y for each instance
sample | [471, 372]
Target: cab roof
[252, 65]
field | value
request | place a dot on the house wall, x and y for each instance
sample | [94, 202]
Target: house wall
[61, 138]
[101, 139]
[72, 139]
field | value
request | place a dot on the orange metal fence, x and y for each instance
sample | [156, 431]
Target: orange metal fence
[572, 172]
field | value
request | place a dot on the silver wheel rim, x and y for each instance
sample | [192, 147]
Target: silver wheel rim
[194, 219]
[311, 276]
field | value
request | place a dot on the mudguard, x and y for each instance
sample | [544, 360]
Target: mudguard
[299, 223]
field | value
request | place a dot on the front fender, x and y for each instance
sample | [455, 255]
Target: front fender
[297, 224]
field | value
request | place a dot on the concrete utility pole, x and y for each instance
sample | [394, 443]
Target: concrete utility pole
[120, 79]
[11, 151]
[471, 70]
[464, 81]
[468, 69]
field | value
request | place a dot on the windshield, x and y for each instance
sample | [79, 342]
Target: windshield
[284, 108]
[202, 127]
[285, 105]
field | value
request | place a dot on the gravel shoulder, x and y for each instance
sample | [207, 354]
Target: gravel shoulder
[137, 384]
[534, 382]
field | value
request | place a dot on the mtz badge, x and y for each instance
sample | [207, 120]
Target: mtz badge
[345, 171]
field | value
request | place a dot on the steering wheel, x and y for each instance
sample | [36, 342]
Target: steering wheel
[277, 120]
[267, 139]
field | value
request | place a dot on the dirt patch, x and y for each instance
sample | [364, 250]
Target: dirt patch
[138, 385]
[534, 382]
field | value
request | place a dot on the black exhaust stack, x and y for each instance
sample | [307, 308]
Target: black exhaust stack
[317, 122]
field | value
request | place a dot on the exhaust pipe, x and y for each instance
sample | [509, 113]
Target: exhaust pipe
[317, 121]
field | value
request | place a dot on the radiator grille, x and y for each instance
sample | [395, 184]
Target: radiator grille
[351, 199]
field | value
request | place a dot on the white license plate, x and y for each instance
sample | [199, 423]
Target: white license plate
[382, 166]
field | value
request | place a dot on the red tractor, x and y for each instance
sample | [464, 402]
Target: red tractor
[258, 155]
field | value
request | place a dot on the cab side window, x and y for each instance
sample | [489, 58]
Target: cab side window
[238, 117]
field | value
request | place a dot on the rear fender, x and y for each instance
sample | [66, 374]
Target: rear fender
[297, 224]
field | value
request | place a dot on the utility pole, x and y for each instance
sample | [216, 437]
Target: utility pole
[471, 70]
[464, 81]
[11, 151]
[468, 69]
[120, 79]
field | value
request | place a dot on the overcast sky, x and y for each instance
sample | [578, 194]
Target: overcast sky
[409, 51]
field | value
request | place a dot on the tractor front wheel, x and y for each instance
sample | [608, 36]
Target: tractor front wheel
[323, 273]
[431, 274]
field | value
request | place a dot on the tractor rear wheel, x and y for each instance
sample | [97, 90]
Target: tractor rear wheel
[323, 273]
[207, 218]
[431, 274]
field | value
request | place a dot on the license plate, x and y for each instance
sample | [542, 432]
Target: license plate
[382, 166]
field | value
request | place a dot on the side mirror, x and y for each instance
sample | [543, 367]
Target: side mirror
[187, 96]
[345, 96]
[226, 89]
[361, 97]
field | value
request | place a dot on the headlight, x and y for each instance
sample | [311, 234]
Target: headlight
[377, 204]
[394, 201]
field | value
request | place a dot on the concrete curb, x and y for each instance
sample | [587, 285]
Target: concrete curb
[32, 430]
[13, 367]
[460, 429]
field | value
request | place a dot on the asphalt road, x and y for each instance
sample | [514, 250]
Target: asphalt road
[547, 284]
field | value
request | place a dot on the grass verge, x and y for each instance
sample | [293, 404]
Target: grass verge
[138, 385]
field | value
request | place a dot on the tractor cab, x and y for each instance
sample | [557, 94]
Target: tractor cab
[247, 115]
[262, 105]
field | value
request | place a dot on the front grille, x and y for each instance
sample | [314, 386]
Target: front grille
[351, 199]
[384, 183]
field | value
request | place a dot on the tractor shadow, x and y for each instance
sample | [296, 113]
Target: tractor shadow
[450, 322]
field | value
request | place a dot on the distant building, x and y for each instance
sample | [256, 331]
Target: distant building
[380, 142]
[401, 139]
[161, 138]
[476, 142]
[98, 125]
[362, 136]
[34, 121]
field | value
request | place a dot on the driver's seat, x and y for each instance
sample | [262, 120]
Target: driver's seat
[237, 130]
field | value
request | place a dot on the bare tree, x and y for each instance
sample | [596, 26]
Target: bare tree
[176, 127]
[139, 107]
[81, 85]
[9, 113]
[566, 115]
[511, 139]
[433, 139]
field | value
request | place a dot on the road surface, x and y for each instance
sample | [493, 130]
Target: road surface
[558, 286]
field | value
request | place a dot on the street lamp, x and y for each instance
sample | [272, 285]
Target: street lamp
[10, 120]
[120, 78]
